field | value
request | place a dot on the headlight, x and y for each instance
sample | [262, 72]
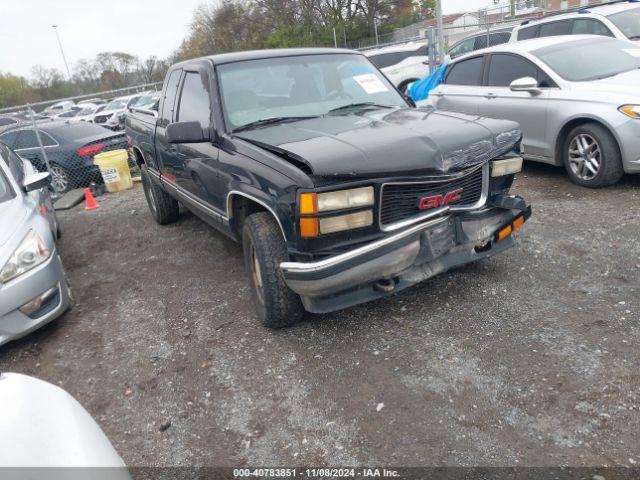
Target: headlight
[508, 166]
[346, 222]
[632, 111]
[311, 203]
[314, 203]
[30, 253]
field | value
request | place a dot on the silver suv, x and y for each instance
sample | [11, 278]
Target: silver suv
[576, 99]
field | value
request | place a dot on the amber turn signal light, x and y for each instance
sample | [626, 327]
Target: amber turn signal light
[518, 222]
[309, 227]
[308, 203]
[504, 233]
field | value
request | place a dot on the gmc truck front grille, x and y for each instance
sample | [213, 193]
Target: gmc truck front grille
[401, 201]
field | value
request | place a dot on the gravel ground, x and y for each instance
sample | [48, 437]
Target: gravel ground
[529, 358]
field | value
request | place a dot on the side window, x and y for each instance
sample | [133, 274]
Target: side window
[195, 104]
[467, 72]
[504, 69]
[7, 121]
[499, 38]
[46, 140]
[465, 46]
[170, 91]
[26, 139]
[589, 26]
[481, 42]
[528, 33]
[9, 139]
[544, 81]
[552, 29]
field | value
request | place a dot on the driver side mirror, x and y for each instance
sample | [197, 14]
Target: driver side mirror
[36, 182]
[525, 84]
[187, 132]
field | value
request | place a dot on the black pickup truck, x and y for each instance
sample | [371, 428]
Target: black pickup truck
[340, 190]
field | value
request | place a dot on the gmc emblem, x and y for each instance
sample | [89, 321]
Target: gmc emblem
[435, 201]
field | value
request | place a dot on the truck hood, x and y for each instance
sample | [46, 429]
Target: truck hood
[383, 142]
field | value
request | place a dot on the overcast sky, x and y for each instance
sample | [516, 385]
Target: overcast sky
[86, 27]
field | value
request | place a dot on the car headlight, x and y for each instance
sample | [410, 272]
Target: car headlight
[31, 252]
[315, 203]
[632, 111]
[507, 166]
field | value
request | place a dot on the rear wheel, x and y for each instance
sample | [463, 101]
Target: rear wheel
[264, 249]
[164, 208]
[60, 180]
[592, 157]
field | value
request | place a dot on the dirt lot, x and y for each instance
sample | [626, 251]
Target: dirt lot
[530, 358]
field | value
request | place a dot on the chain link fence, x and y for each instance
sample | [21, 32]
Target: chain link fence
[64, 140]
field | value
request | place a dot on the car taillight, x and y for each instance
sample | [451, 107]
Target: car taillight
[90, 149]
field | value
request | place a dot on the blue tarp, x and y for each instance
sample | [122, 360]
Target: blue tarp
[420, 89]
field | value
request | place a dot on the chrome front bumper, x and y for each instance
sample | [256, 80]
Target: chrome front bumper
[405, 258]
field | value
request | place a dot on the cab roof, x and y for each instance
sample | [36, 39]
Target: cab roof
[233, 57]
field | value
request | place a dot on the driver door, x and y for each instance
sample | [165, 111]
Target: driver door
[528, 109]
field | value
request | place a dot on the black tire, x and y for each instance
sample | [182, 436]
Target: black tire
[610, 169]
[264, 250]
[164, 208]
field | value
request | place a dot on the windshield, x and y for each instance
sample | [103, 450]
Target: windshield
[309, 85]
[591, 59]
[86, 111]
[116, 105]
[628, 22]
[146, 100]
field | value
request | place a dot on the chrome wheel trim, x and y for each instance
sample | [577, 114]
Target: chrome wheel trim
[256, 273]
[585, 156]
[59, 178]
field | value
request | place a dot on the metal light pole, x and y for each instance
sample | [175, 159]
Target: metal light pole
[55, 28]
[440, 31]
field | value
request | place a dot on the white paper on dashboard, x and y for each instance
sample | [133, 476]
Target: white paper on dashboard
[370, 83]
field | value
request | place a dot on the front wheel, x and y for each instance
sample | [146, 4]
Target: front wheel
[264, 249]
[592, 157]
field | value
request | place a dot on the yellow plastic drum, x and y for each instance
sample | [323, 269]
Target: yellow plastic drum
[114, 168]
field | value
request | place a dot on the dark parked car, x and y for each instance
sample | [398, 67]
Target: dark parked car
[70, 149]
[339, 190]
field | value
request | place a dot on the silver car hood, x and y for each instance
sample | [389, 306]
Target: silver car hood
[12, 216]
[626, 83]
[44, 426]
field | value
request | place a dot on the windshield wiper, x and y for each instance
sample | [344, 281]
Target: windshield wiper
[270, 121]
[634, 37]
[359, 105]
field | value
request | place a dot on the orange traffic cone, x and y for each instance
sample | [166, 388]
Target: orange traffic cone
[90, 202]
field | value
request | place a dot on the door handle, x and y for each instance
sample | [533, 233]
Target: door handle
[490, 96]
[439, 94]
